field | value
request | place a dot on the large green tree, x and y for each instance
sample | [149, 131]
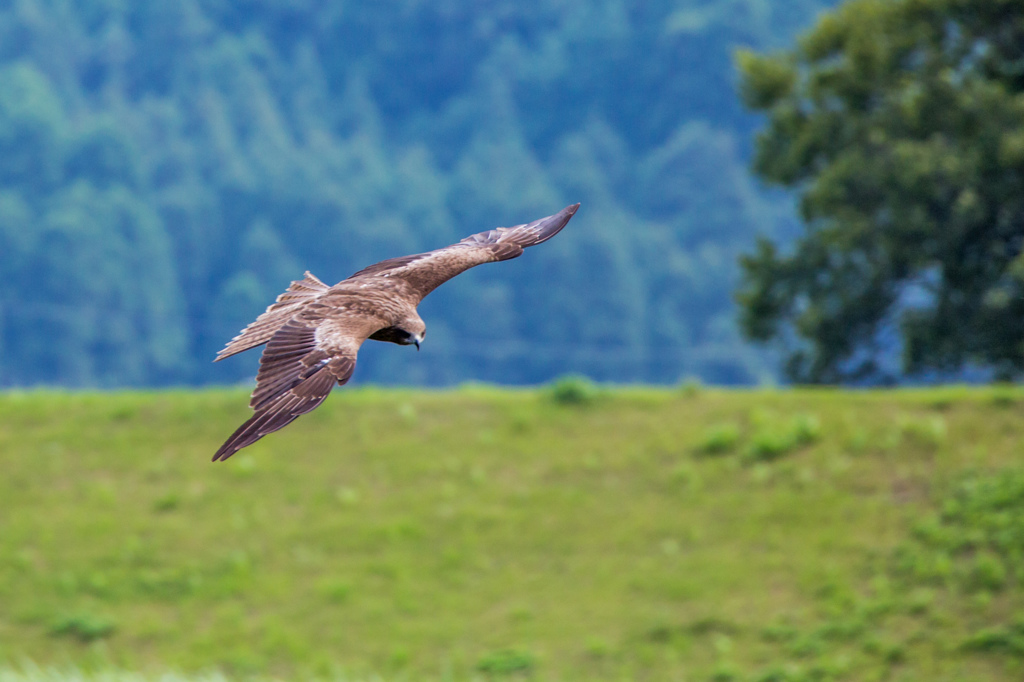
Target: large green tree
[901, 125]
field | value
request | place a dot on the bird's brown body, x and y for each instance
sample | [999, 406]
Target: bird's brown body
[313, 332]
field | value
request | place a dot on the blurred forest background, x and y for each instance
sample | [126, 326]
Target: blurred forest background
[167, 168]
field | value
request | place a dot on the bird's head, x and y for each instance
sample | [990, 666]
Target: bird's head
[411, 331]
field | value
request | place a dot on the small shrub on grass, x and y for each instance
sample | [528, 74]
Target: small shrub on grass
[507, 662]
[806, 646]
[775, 674]
[920, 601]
[597, 648]
[334, 590]
[1007, 640]
[685, 475]
[927, 433]
[1003, 396]
[886, 650]
[772, 442]
[780, 632]
[725, 672]
[710, 625]
[661, 633]
[573, 390]
[399, 657]
[805, 429]
[690, 387]
[169, 501]
[166, 583]
[941, 403]
[920, 565]
[719, 439]
[971, 548]
[987, 573]
[842, 630]
[893, 653]
[85, 627]
[857, 441]
[766, 446]
[347, 496]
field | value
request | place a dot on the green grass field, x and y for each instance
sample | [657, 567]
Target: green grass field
[557, 534]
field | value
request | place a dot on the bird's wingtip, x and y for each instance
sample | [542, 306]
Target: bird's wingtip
[569, 211]
[564, 215]
[551, 225]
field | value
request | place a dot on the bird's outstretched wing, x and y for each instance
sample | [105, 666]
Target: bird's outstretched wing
[313, 332]
[427, 271]
[300, 292]
[299, 367]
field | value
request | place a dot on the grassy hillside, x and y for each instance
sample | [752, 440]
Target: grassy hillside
[561, 533]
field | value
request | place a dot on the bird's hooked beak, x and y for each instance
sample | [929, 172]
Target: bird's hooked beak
[417, 342]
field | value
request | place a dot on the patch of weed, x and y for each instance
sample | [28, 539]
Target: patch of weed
[506, 662]
[1007, 639]
[691, 387]
[573, 390]
[1003, 396]
[169, 501]
[719, 439]
[773, 440]
[925, 432]
[85, 627]
[975, 540]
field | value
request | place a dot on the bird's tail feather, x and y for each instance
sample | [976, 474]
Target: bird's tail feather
[276, 316]
[288, 406]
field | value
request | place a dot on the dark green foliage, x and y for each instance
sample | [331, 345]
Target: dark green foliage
[573, 390]
[86, 627]
[1002, 640]
[899, 122]
[974, 545]
[766, 446]
[977, 541]
[506, 662]
[719, 439]
[774, 438]
[88, 288]
[167, 168]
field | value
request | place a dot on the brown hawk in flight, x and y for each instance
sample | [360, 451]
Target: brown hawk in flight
[314, 331]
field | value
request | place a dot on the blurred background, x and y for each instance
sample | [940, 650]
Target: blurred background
[167, 168]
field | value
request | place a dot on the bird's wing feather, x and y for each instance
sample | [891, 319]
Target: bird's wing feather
[276, 316]
[299, 367]
[427, 271]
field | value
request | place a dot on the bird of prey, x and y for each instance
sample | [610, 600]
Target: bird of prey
[314, 331]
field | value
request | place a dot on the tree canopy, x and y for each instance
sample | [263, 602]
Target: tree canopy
[901, 125]
[167, 168]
